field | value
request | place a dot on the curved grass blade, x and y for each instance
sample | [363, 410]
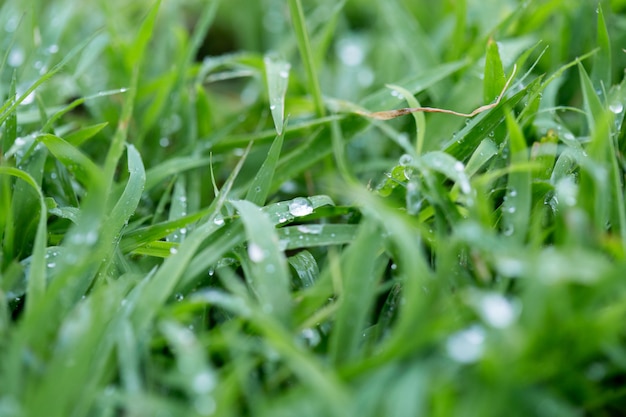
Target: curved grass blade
[448, 166]
[268, 268]
[74, 160]
[420, 119]
[36, 285]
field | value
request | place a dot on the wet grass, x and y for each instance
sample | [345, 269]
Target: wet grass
[198, 215]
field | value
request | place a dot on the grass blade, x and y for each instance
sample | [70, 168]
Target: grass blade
[494, 77]
[277, 75]
[269, 277]
[518, 200]
[261, 184]
[359, 277]
[304, 45]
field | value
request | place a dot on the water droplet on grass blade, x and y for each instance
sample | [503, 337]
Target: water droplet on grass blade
[616, 107]
[466, 346]
[497, 311]
[255, 252]
[16, 57]
[300, 206]
[311, 337]
[203, 382]
[351, 52]
[405, 159]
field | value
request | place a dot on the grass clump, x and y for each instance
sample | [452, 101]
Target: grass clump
[199, 216]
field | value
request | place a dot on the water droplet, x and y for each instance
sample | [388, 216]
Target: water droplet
[596, 371]
[466, 346]
[12, 24]
[616, 107]
[204, 405]
[458, 166]
[312, 229]
[173, 250]
[405, 159]
[16, 57]
[179, 297]
[284, 73]
[511, 209]
[351, 52]
[497, 310]
[52, 49]
[273, 107]
[509, 267]
[51, 264]
[513, 192]
[508, 230]
[255, 252]
[28, 99]
[365, 77]
[300, 206]
[311, 337]
[413, 198]
[203, 382]
[218, 221]
[164, 142]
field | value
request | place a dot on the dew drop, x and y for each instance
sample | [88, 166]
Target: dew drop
[466, 346]
[203, 382]
[351, 52]
[616, 107]
[255, 252]
[405, 159]
[311, 337]
[497, 310]
[300, 206]
[312, 229]
[179, 297]
[16, 57]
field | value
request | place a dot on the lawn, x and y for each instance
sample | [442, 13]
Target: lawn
[312, 208]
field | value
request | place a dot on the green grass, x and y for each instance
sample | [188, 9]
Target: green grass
[197, 218]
